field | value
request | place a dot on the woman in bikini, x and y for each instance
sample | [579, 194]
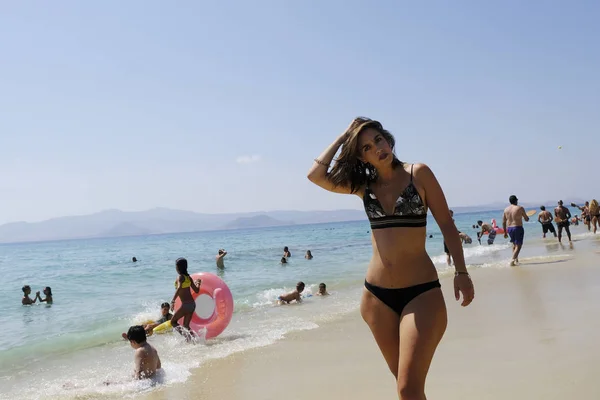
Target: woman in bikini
[402, 302]
[188, 306]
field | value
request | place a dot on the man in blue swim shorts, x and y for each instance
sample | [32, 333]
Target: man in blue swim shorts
[512, 222]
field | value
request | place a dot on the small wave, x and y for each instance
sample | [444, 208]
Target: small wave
[473, 252]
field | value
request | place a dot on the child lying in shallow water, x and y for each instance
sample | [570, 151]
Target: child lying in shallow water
[295, 295]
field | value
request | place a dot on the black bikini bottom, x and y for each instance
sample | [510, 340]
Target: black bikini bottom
[397, 299]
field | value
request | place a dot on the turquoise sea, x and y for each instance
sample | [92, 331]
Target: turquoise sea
[68, 349]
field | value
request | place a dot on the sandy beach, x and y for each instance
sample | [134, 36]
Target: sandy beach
[529, 334]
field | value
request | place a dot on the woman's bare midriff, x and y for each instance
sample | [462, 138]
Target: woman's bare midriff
[399, 258]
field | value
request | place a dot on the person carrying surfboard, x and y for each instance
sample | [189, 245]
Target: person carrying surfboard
[512, 222]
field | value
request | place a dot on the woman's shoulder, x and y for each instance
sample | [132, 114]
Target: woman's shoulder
[416, 168]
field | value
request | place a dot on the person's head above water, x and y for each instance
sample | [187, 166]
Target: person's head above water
[308, 253]
[300, 286]
[480, 222]
[513, 200]
[26, 289]
[181, 265]
[322, 288]
[134, 259]
[136, 336]
[543, 208]
[286, 249]
[165, 308]
[367, 148]
[48, 291]
[221, 251]
[560, 202]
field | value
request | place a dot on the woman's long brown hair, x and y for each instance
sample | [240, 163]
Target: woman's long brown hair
[349, 170]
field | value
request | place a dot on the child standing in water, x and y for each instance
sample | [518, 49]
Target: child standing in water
[48, 293]
[26, 300]
[188, 305]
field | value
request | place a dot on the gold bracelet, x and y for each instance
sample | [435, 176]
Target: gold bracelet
[321, 162]
[461, 273]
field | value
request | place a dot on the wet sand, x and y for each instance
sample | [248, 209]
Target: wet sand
[530, 334]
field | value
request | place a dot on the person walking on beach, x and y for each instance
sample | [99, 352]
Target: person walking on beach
[219, 258]
[402, 302]
[183, 285]
[562, 216]
[545, 218]
[585, 214]
[513, 218]
[594, 214]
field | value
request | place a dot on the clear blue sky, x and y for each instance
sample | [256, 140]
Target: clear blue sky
[139, 104]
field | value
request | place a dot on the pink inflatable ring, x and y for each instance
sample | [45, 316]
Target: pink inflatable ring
[214, 305]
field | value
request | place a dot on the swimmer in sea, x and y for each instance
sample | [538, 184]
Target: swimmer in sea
[486, 228]
[146, 358]
[26, 300]
[512, 222]
[466, 239]
[295, 295]
[308, 255]
[545, 218]
[562, 215]
[219, 258]
[286, 252]
[188, 306]
[48, 293]
[322, 290]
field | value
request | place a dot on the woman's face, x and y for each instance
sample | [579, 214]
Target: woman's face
[374, 149]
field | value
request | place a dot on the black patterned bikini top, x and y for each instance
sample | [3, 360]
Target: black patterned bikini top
[409, 211]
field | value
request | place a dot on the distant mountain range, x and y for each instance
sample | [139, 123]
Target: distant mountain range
[114, 223]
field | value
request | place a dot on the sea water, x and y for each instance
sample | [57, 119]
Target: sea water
[73, 347]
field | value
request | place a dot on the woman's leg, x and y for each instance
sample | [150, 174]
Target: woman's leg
[180, 313]
[422, 326]
[385, 326]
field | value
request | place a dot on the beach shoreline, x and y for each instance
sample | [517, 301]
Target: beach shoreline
[310, 340]
[527, 335]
